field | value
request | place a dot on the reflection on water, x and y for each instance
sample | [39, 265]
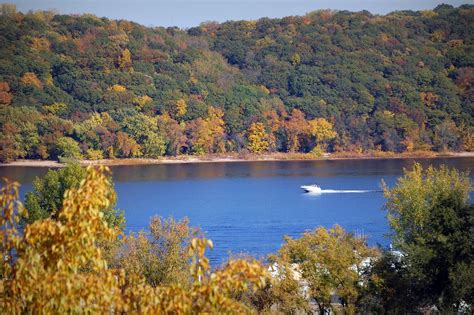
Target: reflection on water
[250, 206]
[278, 168]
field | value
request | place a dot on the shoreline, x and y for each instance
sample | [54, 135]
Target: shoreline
[187, 159]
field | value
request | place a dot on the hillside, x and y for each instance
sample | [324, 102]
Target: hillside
[83, 86]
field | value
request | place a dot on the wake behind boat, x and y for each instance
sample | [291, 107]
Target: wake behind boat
[316, 189]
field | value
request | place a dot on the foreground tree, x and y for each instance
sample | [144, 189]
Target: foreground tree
[330, 263]
[46, 199]
[432, 224]
[56, 266]
[160, 255]
[388, 289]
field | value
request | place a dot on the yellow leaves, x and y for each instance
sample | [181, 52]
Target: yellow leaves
[160, 255]
[264, 89]
[295, 59]
[124, 61]
[208, 292]
[53, 254]
[117, 88]
[181, 108]
[438, 36]
[264, 42]
[94, 154]
[12, 209]
[40, 43]
[142, 100]
[322, 129]
[55, 108]
[257, 138]
[410, 202]
[120, 38]
[29, 78]
[208, 133]
[7, 9]
[48, 79]
[214, 291]
[59, 268]
[328, 261]
[249, 25]
[388, 114]
[428, 13]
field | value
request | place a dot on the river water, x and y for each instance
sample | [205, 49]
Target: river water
[247, 207]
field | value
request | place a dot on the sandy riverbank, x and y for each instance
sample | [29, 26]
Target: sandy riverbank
[241, 158]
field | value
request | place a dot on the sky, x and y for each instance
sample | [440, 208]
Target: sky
[189, 13]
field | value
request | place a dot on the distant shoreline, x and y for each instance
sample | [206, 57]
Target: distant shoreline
[185, 159]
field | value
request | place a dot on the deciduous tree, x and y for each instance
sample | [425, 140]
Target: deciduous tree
[322, 130]
[257, 138]
[330, 263]
[68, 148]
[431, 221]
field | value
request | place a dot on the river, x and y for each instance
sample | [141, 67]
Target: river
[247, 207]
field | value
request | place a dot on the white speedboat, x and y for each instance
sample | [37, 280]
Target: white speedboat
[315, 189]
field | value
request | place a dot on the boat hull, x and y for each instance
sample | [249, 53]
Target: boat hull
[311, 189]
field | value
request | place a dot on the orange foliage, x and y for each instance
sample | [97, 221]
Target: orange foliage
[295, 127]
[456, 42]
[207, 135]
[127, 146]
[85, 42]
[174, 133]
[5, 95]
[428, 98]
[29, 78]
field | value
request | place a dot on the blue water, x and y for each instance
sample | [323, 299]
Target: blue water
[247, 207]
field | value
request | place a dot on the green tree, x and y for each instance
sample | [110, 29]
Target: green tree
[154, 146]
[46, 199]
[67, 148]
[388, 289]
[432, 225]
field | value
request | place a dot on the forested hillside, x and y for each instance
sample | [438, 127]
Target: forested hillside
[90, 87]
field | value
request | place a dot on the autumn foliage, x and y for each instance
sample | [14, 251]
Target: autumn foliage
[57, 266]
[346, 82]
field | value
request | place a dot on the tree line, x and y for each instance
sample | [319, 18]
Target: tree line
[329, 81]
